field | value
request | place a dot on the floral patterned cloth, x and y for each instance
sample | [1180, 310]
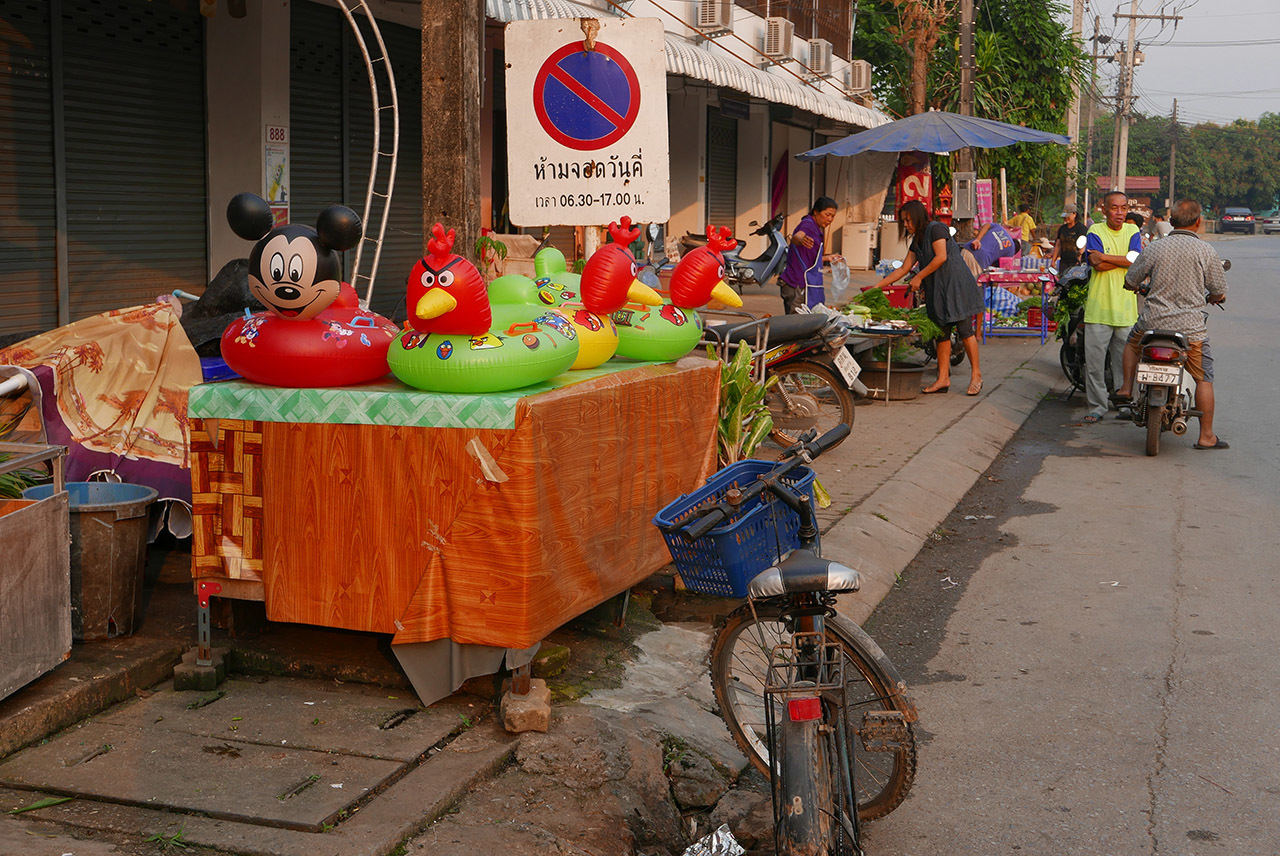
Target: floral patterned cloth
[113, 389]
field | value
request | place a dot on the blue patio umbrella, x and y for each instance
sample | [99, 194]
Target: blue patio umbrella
[935, 131]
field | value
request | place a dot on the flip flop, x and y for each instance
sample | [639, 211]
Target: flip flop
[1091, 418]
[1219, 443]
[974, 390]
[935, 390]
[1120, 400]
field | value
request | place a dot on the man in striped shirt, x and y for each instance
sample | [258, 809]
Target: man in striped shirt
[1182, 268]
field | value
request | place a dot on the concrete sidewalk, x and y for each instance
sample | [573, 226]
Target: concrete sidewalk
[905, 467]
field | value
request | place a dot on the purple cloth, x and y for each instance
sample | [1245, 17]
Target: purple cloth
[804, 264]
[996, 244]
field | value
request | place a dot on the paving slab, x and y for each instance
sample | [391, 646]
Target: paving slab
[273, 785]
[373, 828]
[347, 719]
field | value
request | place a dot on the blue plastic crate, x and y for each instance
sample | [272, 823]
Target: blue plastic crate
[725, 560]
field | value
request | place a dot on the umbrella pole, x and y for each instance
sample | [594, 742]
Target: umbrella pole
[1004, 197]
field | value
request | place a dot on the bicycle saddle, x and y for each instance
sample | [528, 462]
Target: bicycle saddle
[782, 328]
[802, 571]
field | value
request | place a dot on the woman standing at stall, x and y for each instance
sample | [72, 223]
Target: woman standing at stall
[801, 279]
[951, 294]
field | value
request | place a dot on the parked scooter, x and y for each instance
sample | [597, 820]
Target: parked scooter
[1163, 401]
[806, 352]
[740, 272]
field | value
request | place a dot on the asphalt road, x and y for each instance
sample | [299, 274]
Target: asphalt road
[1093, 651]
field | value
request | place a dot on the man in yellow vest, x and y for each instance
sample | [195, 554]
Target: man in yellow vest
[1109, 311]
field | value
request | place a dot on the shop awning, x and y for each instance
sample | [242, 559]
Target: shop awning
[687, 59]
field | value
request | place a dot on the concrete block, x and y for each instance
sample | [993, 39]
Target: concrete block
[190, 675]
[531, 712]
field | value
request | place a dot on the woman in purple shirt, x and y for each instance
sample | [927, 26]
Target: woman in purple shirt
[801, 279]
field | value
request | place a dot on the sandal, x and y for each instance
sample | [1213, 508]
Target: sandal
[974, 390]
[1091, 418]
[936, 390]
[1218, 443]
[1120, 400]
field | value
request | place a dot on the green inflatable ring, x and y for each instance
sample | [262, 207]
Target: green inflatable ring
[658, 333]
[525, 346]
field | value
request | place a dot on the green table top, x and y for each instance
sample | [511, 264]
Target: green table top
[381, 402]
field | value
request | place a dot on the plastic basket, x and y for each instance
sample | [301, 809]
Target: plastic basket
[724, 561]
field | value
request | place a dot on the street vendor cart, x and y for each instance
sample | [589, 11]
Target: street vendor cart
[467, 526]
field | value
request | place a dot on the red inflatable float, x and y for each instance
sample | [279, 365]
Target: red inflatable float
[314, 332]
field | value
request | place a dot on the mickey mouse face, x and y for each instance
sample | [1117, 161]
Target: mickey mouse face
[291, 275]
[294, 270]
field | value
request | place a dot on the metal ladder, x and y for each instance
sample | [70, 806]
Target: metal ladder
[372, 64]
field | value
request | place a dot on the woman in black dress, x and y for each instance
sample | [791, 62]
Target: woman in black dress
[951, 294]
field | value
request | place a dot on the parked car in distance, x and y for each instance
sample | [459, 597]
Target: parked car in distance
[1271, 222]
[1237, 220]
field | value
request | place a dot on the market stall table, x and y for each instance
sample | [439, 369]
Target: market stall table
[1037, 281]
[469, 526]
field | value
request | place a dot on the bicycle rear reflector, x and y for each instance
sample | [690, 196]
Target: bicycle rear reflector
[804, 709]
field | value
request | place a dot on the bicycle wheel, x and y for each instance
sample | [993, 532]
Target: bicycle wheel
[739, 663]
[807, 395]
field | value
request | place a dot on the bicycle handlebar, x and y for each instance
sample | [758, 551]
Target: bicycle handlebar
[804, 451]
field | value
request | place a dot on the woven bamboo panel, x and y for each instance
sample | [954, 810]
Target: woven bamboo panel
[226, 499]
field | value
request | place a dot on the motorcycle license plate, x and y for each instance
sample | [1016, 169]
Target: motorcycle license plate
[1166, 375]
[847, 365]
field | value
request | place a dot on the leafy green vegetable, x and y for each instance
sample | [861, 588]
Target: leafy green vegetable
[13, 484]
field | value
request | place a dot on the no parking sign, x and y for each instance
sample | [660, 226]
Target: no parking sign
[587, 122]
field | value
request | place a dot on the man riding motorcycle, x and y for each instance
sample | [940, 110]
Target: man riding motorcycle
[1182, 268]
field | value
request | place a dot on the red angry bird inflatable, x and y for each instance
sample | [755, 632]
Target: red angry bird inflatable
[699, 276]
[609, 276]
[446, 292]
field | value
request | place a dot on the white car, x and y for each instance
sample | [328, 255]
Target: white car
[1271, 222]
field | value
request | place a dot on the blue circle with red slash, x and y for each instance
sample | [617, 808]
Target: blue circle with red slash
[586, 100]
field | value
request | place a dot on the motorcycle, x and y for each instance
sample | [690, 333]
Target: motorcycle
[1164, 398]
[740, 272]
[1071, 354]
[817, 376]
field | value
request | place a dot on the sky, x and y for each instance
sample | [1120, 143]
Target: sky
[1221, 63]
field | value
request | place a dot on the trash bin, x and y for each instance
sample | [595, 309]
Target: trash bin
[108, 554]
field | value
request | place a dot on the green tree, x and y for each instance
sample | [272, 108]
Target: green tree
[1025, 62]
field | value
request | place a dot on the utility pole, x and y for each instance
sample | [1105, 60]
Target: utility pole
[451, 55]
[1073, 113]
[965, 156]
[1124, 108]
[1173, 152]
[1093, 92]
[1120, 166]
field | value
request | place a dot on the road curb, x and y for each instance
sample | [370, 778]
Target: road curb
[883, 533]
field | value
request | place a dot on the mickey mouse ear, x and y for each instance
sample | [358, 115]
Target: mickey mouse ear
[339, 227]
[249, 216]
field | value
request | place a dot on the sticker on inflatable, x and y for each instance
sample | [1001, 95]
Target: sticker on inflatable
[673, 314]
[546, 297]
[558, 323]
[531, 341]
[445, 351]
[589, 320]
[623, 317]
[485, 342]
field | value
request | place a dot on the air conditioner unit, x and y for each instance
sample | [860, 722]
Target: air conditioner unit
[778, 34]
[820, 56]
[715, 15]
[859, 80]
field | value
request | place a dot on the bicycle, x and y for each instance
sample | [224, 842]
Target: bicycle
[809, 697]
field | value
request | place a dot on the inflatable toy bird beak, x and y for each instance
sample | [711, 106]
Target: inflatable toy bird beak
[726, 295]
[435, 303]
[641, 293]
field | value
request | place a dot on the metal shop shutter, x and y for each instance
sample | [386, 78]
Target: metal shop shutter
[722, 169]
[28, 217]
[133, 96]
[331, 129]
